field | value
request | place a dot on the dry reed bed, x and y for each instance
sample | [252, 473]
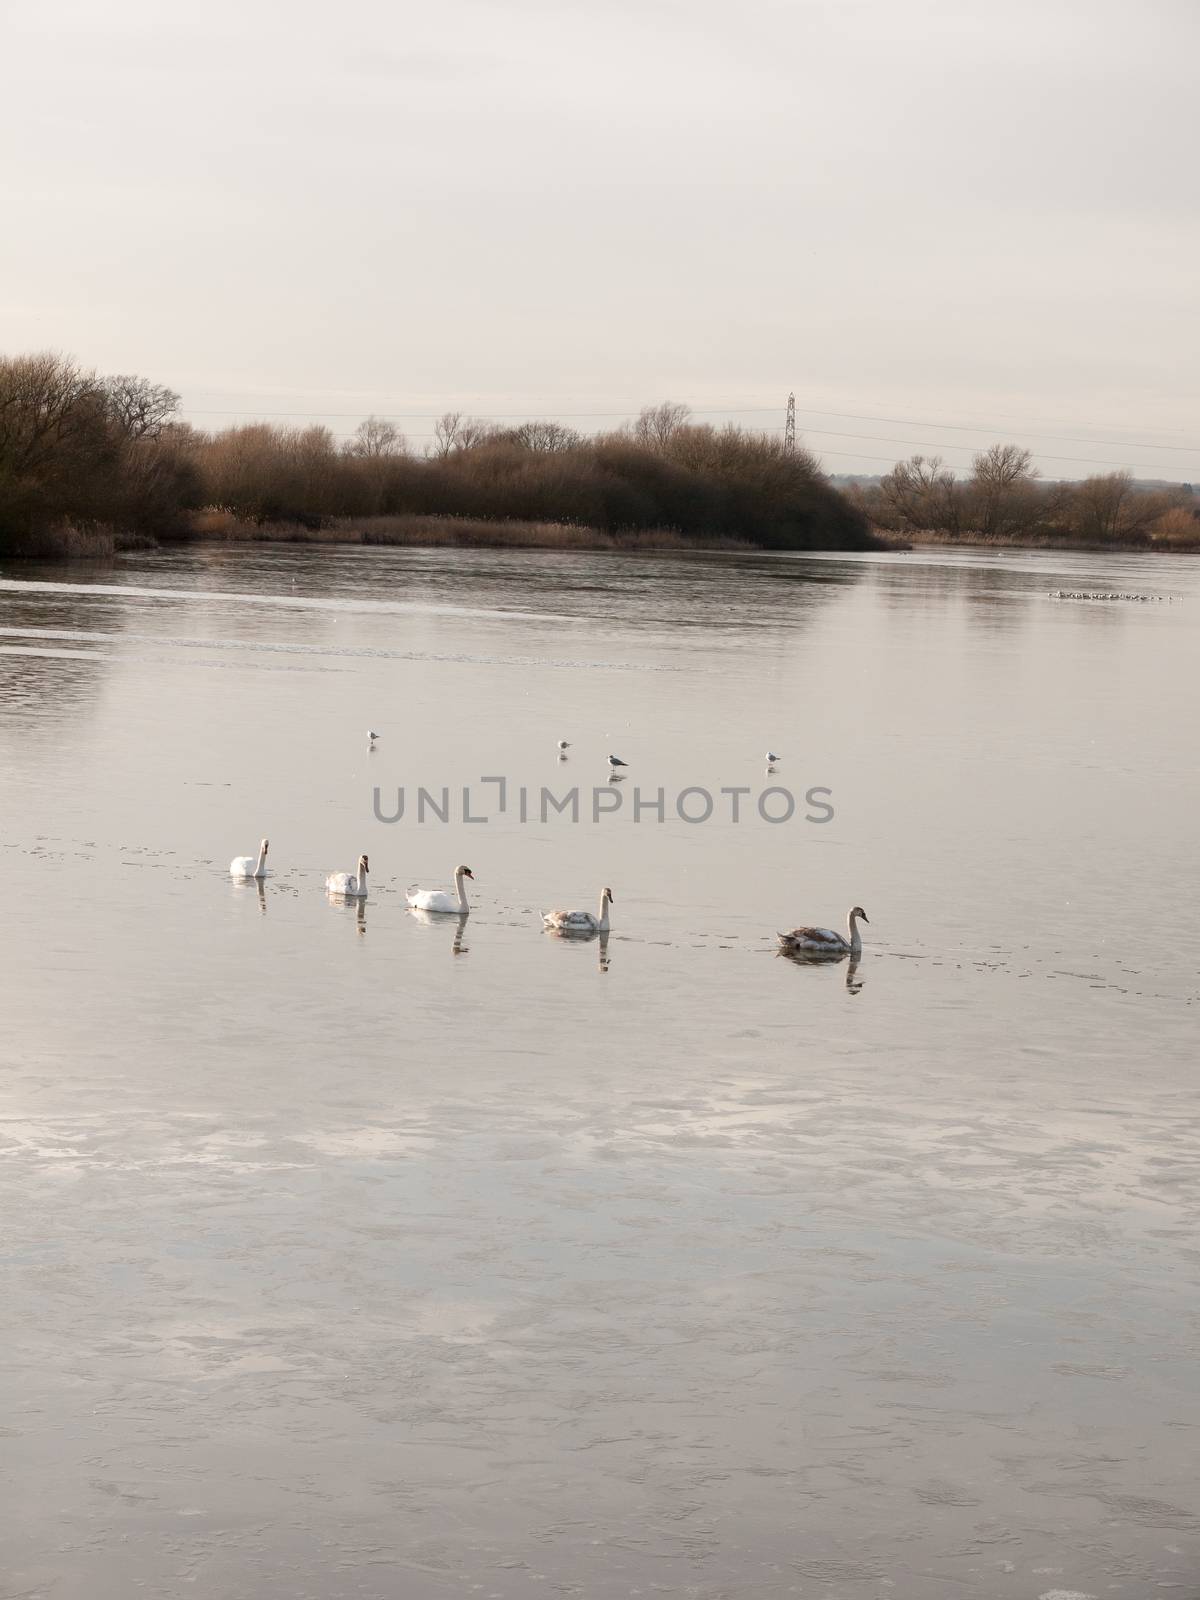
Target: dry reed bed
[435, 531]
[917, 539]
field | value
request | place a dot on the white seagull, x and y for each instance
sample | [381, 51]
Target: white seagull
[371, 736]
[564, 744]
[771, 756]
[615, 761]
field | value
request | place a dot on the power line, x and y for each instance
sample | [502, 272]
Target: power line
[962, 427]
[740, 411]
[1170, 472]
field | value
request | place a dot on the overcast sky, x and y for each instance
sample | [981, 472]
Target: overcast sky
[934, 212]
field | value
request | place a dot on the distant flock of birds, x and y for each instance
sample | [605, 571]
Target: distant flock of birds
[1102, 594]
[809, 942]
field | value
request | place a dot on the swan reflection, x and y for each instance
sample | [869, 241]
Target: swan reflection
[356, 902]
[831, 958]
[259, 887]
[599, 938]
[435, 919]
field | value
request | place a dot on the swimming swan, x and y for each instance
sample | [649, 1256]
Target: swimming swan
[348, 883]
[580, 921]
[823, 941]
[439, 900]
[249, 866]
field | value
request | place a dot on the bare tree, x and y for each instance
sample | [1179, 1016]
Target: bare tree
[1002, 489]
[71, 453]
[1003, 465]
[452, 431]
[376, 436]
[922, 493]
[1110, 506]
[141, 409]
[548, 437]
[657, 425]
[51, 411]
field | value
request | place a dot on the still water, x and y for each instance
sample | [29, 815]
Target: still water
[347, 1255]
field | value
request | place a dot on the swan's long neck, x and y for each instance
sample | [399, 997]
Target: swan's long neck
[362, 877]
[855, 938]
[262, 859]
[463, 907]
[603, 919]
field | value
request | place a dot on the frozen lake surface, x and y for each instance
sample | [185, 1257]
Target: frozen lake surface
[347, 1255]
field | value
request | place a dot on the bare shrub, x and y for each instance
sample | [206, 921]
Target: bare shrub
[657, 425]
[376, 436]
[1177, 525]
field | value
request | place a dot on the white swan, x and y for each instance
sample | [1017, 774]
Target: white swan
[251, 866]
[351, 884]
[439, 900]
[823, 941]
[580, 921]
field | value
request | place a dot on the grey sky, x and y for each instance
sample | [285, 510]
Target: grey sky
[946, 210]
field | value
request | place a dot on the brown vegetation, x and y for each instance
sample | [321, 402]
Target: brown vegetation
[86, 463]
[1003, 502]
[106, 458]
[89, 464]
[663, 473]
[433, 530]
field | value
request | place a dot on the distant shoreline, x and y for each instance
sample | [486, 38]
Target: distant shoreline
[433, 532]
[982, 541]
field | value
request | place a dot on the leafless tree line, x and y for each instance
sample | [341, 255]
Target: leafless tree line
[80, 451]
[661, 471]
[85, 451]
[1004, 499]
